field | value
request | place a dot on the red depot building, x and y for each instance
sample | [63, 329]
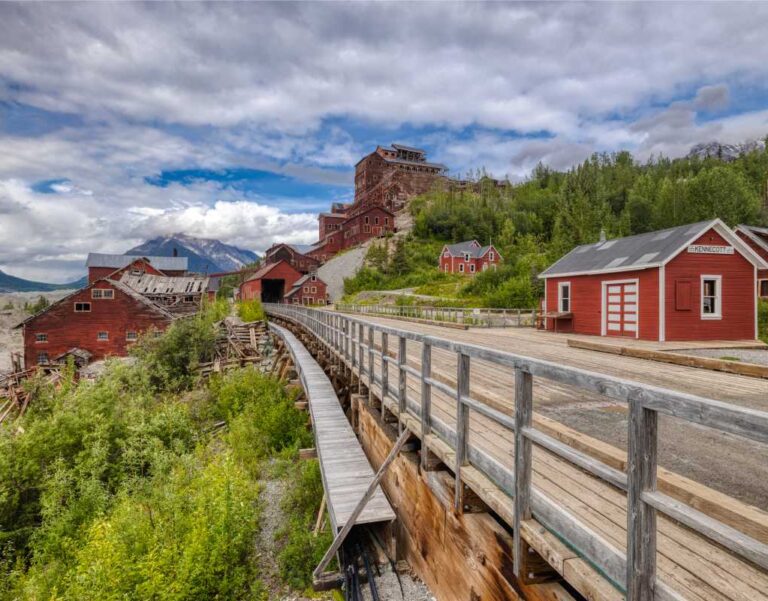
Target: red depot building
[691, 282]
[468, 257]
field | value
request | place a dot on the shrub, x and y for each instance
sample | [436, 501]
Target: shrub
[762, 319]
[250, 310]
[302, 551]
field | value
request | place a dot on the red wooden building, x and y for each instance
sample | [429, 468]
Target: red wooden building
[103, 319]
[369, 223]
[270, 283]
[295, 255]
[102, 265]
[757, 238]
[468, 257]
[692, 282]
[307, 290]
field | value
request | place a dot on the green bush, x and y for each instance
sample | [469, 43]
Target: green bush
[250, 310]
[762, 319]
[302, 551]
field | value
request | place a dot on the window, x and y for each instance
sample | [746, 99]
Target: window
[466, 256]
[82, 307]
[189, 299]
[762, 288]
[491, 256]
[711, 297]
[386, 221]
[313, 277]
[564, 297]
[367, 229]
[461, 267]
[306, 289]
[42, 358]
[472, 267]
[366, 220]
[41, 337]
[485, 266]
[131, 336]
[376, 221]
[314, 289]
[102, 336]
[106, 293]
[447, 254]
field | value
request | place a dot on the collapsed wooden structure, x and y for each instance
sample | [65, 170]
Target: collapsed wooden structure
[609, 532]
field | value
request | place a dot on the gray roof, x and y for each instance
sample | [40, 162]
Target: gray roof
[758, 235]
[408, 148]
[120, 261]
[146, 283]
[469, 246]
[419, 163]
[638, 252]
[303, 279]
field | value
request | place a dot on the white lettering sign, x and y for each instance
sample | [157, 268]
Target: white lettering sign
[708, 249]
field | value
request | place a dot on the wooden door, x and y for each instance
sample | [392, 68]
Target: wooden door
[622, 309]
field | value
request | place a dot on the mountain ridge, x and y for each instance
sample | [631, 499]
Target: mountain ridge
[10, 283]
[205, 255]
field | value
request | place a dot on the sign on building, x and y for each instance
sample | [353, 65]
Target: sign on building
[710, 249]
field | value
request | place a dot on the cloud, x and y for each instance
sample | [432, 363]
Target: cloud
[712, 98]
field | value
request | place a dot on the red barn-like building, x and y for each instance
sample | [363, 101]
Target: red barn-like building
[757, 238]
[308, 290]
[294, 255]
[270, 283]
[692, 282]
[103, 319]
[101, 265]
[468, 257]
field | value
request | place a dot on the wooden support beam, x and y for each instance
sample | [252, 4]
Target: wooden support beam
[523, 461]
[308, 454]
[342, 535]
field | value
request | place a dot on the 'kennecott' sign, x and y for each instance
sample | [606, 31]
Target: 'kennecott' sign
[705, 249]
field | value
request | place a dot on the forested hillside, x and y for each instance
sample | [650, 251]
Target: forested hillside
[535, 222]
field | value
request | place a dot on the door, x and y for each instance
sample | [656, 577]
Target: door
[621, 308]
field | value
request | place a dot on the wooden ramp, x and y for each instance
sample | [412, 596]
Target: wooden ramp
[345, 469]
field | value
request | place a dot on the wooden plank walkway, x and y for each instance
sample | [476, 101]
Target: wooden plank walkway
[688, 565]
[345, 469]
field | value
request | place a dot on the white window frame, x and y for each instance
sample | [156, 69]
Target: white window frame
[106, 336]
[759, 285]
[461, 267]
[41, 337]
[491, 256]
[471, 268]
[560, 286]
[130, 338]
[466, 256]
[102, 293]
[718, 314]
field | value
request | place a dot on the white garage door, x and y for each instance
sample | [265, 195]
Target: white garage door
[622, 309]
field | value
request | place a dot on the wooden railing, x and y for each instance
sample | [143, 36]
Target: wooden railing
[475, 317]
[352, 339]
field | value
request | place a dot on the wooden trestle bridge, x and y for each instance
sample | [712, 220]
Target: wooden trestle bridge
[612, 530]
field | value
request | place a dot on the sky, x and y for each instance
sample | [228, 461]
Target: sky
[121, 122]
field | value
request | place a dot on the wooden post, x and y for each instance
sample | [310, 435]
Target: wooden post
[523, 460]
[371, 380]
[384, 366]
[401, 381]
[360, 351]
[426, 398]
[641, 517]
[462, 427]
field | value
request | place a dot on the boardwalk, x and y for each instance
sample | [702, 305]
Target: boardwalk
[344, 466]
[687, 564]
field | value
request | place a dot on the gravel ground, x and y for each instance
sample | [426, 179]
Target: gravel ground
[343, 266]
[757, 356]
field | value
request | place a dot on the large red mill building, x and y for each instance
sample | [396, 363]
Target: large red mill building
[692, 282]
[384, 180]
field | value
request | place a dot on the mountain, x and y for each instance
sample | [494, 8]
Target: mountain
[724, 152]
[9, 283]
[204, 255]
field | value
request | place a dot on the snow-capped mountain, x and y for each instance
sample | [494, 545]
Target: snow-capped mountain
[724, 152]
[204, 255]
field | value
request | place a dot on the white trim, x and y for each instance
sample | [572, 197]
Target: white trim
[718, 314]
[601, 271]
[749, 234]
[560, 286]
[604, 303]
[757, 302]
[759, 281]
[662, 303]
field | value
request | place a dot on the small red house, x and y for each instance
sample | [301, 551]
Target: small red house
[367, 224]
[270, 283]
[757, 239]
[102, 265]
[308, 290]
[103, 319]
[692, 282]
[468, 257]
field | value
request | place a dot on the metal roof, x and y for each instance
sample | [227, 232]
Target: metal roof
[471, 247]
[758, 235]
[419, 163]
[145, 283]
[408, 148]
[120, 261]
[641, 251]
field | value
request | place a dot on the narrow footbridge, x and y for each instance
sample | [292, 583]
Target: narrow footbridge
[612, 529]
[344, 467]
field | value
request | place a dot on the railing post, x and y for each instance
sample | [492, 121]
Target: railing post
[641, 517]
[523, 460]
[462, 427]
[360, 351]
[426, 399]
[371, 379]
[384, 367]
[401, 381]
